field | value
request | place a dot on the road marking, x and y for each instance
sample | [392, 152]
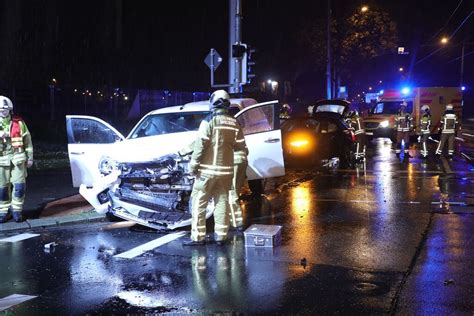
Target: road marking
[466, 134]
[398, 202]
[137, 251]
[19, 237]
[14, 299]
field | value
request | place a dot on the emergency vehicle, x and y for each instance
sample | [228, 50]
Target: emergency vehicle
[380, 120]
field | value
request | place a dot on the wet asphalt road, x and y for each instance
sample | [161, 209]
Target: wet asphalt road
[390, 237]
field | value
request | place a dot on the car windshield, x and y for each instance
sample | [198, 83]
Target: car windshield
[335, 108]
[166, 123]
[311, 125]
[390, 107]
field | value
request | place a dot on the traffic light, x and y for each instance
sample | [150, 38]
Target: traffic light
[238, 50]
[247, 65]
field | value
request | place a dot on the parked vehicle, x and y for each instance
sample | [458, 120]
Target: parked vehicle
[318, 138]
[381, 118]
[142, 178]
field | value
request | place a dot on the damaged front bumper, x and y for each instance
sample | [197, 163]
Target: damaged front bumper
[154, 194]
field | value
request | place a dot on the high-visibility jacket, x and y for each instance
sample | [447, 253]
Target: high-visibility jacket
[425, 124]
[16, 145]
[218, 137]
[449, 122]
[357, 125]
[403, 122]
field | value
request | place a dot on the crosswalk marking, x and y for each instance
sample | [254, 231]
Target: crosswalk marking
[137, 251]
[19, 237]
[14, 299]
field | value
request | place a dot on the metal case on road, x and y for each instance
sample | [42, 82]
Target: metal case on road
[259, 235]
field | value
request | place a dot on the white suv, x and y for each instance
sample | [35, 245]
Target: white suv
[141, 178]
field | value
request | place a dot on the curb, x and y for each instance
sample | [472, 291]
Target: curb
[61, 212]
[58, 221]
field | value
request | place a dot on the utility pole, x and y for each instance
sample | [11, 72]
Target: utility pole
[462, 63]
[328, 67]
[235, 36]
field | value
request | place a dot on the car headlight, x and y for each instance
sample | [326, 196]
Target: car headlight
[107, 165]
[384, 124]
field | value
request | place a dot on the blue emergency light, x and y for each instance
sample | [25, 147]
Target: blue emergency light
[405, 90]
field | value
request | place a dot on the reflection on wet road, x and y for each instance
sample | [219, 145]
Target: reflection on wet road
[368, 240]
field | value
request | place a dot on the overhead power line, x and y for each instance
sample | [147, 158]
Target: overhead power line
[451, 36]
[447, 21]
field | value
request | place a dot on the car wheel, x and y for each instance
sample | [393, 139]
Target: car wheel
[256, 186]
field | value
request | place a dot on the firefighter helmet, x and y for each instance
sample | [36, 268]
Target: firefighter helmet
[352, 113]
[425, 108]
[5, 103]
[449, 107]
[219, 99]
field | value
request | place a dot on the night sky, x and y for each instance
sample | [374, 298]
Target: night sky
[162, 44]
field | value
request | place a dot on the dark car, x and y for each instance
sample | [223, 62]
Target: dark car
[320, 137]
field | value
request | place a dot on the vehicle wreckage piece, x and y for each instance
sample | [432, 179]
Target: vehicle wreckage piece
[156, 194]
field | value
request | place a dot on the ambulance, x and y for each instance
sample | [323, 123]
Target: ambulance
[380, 120]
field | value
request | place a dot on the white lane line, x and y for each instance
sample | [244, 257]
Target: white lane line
[466, 134]
[19, 237]
[375, 202]
[14, 299]
[137, 251]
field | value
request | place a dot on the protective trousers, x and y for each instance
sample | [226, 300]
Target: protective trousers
[204, 188]
[424, 144]
[405, 136]
[450, 138]
[12, 176]
[235, 213]
[360, 147]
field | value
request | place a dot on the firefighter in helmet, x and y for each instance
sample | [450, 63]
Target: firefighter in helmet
[449, 124]
[357, 126]
[212, 161]
[403, 125]
[425, 125]
[15, 157]
[285, 111]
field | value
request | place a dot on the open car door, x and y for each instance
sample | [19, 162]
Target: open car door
[261, 126]
[89, 139]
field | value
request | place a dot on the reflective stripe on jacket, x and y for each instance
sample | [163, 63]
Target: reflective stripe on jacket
[403, 122]
[218, 137]
[357, 125]
[425, 124]
[449, 122]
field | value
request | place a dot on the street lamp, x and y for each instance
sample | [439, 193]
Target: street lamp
[444, 40]
[364, 9]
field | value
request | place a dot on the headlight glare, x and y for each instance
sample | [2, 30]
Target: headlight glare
[384, 124]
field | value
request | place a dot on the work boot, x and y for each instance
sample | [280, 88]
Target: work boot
[5, 217]
[17, 217]
[221, 242]
[190, 242]
[239, 229]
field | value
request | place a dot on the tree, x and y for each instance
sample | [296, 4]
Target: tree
[356, 39]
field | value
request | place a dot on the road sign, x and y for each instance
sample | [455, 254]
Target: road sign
[213, 59]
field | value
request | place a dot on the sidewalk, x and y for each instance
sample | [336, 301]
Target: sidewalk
[69, 210]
